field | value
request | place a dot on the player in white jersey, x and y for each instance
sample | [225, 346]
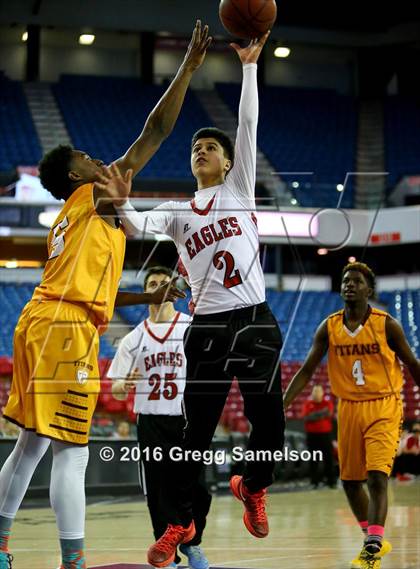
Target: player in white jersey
[154, 353]
[233, 332]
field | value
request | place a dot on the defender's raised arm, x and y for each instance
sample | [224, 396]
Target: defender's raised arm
[163, 117]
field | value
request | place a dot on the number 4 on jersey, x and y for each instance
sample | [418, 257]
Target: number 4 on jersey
[357, 373]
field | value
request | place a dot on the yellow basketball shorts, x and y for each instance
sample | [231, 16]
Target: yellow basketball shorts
[56, 379]
[368, 436]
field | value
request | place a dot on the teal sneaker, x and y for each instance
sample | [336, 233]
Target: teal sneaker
[5, 560]
[196, 557]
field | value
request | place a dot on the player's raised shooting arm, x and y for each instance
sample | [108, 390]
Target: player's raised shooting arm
[398, 343]
[159, 220]
[163, 117]
[243, 174]
[313, 359]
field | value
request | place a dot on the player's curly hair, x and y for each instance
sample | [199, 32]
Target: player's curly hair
[221, 137]
[157, 270]
[366, 272]
[53, 171]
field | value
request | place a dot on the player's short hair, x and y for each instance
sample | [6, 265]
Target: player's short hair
[53, 171]
[366, 272]
[156, 271]
[221, 137]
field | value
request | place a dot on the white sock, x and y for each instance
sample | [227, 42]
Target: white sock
[67, 488]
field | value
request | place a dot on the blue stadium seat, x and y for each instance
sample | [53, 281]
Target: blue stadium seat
[298, 316]
[13, 298]
[306, 130]
[402, 144]
[104, 115]
[19, 144]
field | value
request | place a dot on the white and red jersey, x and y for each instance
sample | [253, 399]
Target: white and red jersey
[216, 233]
[157, 350]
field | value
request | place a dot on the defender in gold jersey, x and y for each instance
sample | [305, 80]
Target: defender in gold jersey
[365, 346]
[55, 374]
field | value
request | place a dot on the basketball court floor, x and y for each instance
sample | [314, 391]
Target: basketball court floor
[308, 530]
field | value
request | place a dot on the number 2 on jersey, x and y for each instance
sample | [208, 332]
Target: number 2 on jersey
[170, 388]
[232, 276]
[357, 373]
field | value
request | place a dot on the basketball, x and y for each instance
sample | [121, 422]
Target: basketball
[247, 18]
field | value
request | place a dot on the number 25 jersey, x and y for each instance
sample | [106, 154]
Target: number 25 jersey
[157, 351]
[361, 365]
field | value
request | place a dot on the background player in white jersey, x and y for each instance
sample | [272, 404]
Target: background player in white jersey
[233, 332]
[154, 352]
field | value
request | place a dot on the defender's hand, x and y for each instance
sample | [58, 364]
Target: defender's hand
[199, 44]
[113, 184]
[251, 53]
[167, 292]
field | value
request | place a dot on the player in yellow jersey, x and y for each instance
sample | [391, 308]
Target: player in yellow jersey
[364, 347]
[55, 374]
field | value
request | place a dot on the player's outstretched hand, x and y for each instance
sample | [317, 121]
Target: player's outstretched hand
[197, 49]
[251, 52]
[111, 182]
[167, 292]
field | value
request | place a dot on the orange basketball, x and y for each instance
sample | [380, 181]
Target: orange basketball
[247, 18]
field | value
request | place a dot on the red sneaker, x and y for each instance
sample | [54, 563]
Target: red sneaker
[405, 477]
[255, 518]
[162, 553]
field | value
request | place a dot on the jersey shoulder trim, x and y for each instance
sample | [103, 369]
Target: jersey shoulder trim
[336, 314]
[378, 312]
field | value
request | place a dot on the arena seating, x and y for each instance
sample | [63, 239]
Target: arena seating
[13, 297]
[300, 130]
[306, 130]
[104, 115]
[402, 145]
[298, 317]
[19, 144]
